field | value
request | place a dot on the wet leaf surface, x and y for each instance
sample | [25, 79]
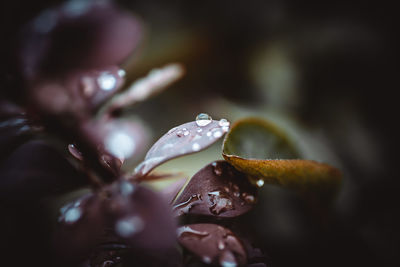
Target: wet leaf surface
[185, 139]
[213, 244]
[122, 213]
[217, 190]
[251, 144]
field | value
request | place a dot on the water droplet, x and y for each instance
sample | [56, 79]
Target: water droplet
[179, 133]
[203, 119]
[121, 73]
[260, 183]
[126, 188]
[217, 134]
[75, 152]
[107, 81]
[221, 202]
[199, 130]
[225, 128]
[217, 168]
[206, 260]
[221, 245]
[223, 123]
[108, 263]
[184, 207]
[195, 147]
[188, 232]
[236, 194]
[250, 199]
[209, 134]
[120, 144]
[72, 215]
[186, 133]
[129, 226]
[228, 259]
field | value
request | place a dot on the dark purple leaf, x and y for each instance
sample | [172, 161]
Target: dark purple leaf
[185, 139]
[36, 170]
[217, 190]
[77, 93]
[213, 244]
[122, 213]
[78, 35]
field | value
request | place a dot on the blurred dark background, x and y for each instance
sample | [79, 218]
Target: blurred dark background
[329, 68]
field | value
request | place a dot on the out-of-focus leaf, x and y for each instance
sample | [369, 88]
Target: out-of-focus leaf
[123, 213]
[77, 92]
[35, 170]
[251, 144]
[78, 35]
[143, 88]
[258, 139]
[185, 139]
[213, 244]
[217, 190]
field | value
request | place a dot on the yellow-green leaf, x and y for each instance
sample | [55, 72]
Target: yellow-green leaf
[263, 152]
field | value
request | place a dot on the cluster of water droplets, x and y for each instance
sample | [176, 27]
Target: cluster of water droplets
[220, 202]
[223, 197]
[226, 258]
[202, 120]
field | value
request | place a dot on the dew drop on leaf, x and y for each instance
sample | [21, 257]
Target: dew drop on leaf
[260, 182]
[107, 81]
[203, 119]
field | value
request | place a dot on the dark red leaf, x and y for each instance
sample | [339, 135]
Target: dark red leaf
[217, 190]
[78, 35]
[36, 170]
[122, 213]
[213, 244]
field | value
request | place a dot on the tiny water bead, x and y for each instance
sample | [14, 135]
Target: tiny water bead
[70, 213]
[107, 81]
[195, 147]
[260, 182]
[223, 123]
[120, 144]
[129, 226]
[203, 119]
[221, 202]
[126, 188]
[121, 73]
[217, 134]
[75, 152]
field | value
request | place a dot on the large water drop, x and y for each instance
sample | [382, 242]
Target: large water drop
[107, 81]
[203, 119]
